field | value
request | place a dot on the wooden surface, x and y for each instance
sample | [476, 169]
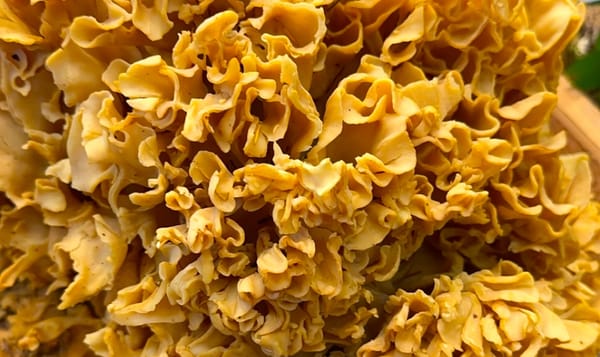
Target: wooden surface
[578, 115]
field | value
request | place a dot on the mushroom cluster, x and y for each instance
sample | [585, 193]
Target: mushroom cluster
[291, 178]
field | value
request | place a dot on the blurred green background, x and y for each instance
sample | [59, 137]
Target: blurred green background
[582, 59]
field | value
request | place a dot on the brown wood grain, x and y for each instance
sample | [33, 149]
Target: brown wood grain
[580, 118]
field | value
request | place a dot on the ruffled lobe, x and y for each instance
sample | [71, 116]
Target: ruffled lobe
[142, 304]
[301, 192]
[24, 243]
[328, 279]
[344, 40]
[401, 44]
[503, 310]
[369, 104]
[293, 29]
[93, 240]
[89, 31]
[208, 169]
[104, 148]
[35, 323]
[152, 20]
[161, 102]
[252, 108]
[13, 28]
[17, 163]
[280, 25]
[76, 72]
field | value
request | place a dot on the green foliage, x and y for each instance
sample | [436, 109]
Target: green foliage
[584, 70]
